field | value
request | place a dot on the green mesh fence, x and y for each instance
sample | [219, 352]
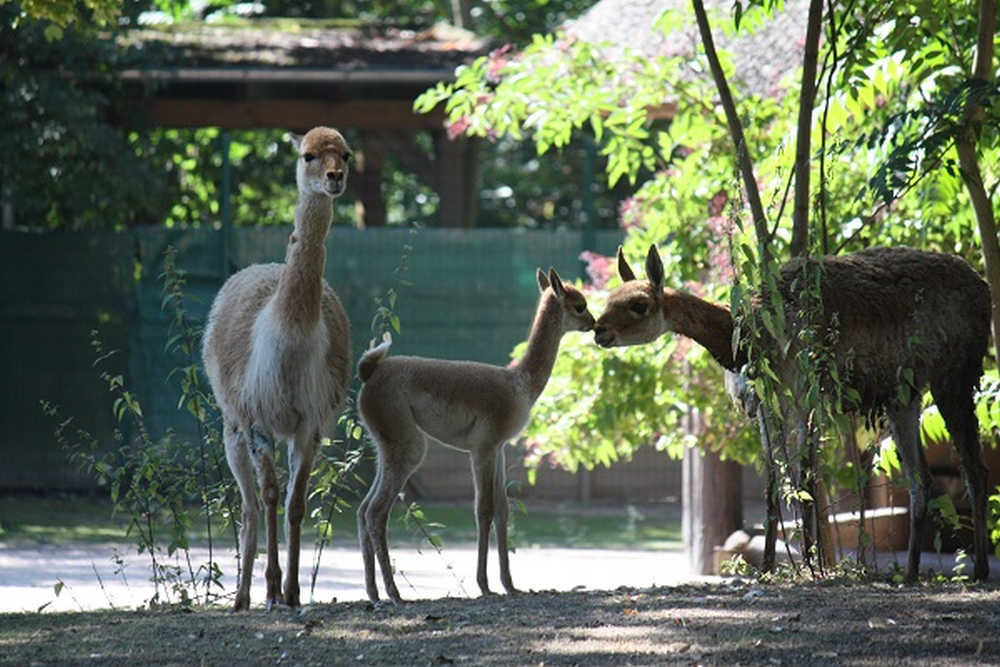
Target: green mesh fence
[462, 294]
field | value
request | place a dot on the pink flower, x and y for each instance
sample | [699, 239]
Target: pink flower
[600, 268]
[718, 203]
[629, 213]
[457, 128]
[496, 62]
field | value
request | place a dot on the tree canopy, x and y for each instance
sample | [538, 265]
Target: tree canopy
[892, 83]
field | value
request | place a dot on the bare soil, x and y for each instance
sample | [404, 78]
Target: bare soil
[733, 622]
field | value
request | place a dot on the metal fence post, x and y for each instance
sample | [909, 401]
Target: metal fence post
[225, 205]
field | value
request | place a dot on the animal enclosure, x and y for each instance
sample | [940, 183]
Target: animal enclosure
[112, 282]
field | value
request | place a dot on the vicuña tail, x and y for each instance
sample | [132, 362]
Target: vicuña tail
[373, 357]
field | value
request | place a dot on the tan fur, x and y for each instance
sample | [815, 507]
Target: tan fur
[885, 310]
[276, 350]
[472, 407]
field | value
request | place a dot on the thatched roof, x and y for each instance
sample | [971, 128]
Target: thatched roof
[762, 58]
[283, 50]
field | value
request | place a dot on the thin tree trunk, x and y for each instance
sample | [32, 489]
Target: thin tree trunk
[807, 98]
[965, 145]
[461, 14]
[736, 132]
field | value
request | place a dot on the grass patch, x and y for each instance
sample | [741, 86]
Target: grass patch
[59, 519]
[27, 520]
[568, 525]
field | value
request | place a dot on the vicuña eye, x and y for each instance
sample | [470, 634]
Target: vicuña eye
[580, 307]
[308, 157]
[348, 156]
[639, 307]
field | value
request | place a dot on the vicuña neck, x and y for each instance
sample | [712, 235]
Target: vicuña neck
[709, 324]
[543, 344]
[300, 290]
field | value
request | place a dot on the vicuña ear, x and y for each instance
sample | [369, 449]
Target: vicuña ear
[556, 283]
[543, 281]
[624, 270]
[654, 268]
[295, 139]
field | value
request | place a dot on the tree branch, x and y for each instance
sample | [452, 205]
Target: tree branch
[807, 98]
[736, 132]
[965, 145]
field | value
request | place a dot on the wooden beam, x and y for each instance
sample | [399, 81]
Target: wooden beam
[293, 114]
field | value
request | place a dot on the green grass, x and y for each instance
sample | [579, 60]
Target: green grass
[569, 525]
[27, 520]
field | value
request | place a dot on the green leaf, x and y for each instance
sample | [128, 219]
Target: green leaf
[53, 33]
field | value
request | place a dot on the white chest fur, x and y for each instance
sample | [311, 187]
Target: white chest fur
[285, 381]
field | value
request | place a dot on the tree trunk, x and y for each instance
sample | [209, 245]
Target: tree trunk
[711, 500]
[965, 145]
[712, 503]
[461, 14]
[736, 132]
[807, 98]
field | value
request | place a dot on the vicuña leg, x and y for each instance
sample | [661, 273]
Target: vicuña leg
[267, 479]
[365, 538]
[957, 408]
[905, 424]
[501, 514]
[301, 454]
[401, 451]
[485, 477]
[238, 457]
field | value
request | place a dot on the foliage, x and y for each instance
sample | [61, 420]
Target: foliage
[63, 101]
[519, 189]
[57, 98]
[600, 407]
[189, 164]
[885, 86]
[148, 481]
[154, 481]
[61, 13]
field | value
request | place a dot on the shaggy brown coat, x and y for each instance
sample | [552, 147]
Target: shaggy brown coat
[887, 312]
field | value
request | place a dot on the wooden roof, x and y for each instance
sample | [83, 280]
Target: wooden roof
[293, 74]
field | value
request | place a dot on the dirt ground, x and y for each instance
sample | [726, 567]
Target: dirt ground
[735, 621]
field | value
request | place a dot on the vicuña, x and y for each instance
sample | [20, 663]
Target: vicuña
[473, 407]
[277, 353]
[886, 310]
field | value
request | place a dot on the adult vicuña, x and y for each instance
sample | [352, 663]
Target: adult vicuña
[472, 407]
[885, 309]
[276, 351]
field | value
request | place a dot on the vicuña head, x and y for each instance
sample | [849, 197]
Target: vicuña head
[640, 311]
[323, 162]
[634, 313]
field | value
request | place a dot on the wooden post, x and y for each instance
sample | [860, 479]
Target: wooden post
[371, 158]
[455, 164]
[712, 502]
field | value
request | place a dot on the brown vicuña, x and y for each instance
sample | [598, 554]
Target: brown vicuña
[885, 310]
[473, 407]
[277, 352]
